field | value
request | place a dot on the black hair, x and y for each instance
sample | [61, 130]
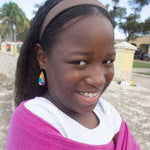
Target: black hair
[28, 70]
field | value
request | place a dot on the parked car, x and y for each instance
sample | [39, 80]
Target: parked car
[137, 55]
[146, 56]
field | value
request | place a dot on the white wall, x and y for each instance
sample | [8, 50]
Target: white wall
[8, 64]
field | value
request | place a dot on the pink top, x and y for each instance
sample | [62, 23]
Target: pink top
[29, 132]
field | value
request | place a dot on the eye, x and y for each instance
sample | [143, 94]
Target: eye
[79, 62]
[108, 61]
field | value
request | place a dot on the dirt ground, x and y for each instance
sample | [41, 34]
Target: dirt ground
[133, 103]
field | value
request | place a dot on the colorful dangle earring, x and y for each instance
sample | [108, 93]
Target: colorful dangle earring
[41, 78]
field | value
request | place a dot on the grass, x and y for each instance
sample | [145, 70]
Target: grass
[144, 73]
[139, 64]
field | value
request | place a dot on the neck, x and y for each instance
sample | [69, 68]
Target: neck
[88, 120]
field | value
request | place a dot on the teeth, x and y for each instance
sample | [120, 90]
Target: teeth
[90, 95]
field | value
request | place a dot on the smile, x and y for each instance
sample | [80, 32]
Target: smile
[89, 94]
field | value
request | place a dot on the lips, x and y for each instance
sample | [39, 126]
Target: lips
[89, 94]
[89, 97]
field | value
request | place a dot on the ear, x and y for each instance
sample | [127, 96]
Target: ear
[41, 56]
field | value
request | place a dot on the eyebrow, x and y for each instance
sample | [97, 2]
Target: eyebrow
[111, 54]
[88, 53]
[80, 53]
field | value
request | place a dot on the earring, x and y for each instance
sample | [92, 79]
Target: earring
[41, 79]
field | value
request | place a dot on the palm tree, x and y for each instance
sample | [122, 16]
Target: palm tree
[37, 6]
[4, 30]
[13, 18]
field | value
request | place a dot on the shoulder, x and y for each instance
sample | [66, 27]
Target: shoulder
[45, 110]
[26, 127]
[42, 107]
[26, 119]
[39, 106]
[25, 124]
[109, 112]
[106, 107]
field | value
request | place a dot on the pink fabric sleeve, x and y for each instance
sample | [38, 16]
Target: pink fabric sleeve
[29, 132]
[125, 139]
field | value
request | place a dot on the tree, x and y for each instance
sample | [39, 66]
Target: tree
[36, 6]
[120, 14]
[13, 18]
[131, 26]
[141, 3]
[145, 26]
[4, 29]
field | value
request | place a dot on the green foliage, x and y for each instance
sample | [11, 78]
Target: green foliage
[144, 73]
[141, 3]
[145, 26]
[37, 6]
[131, 26]
[119, 14]
[12, 22]
[107, 6]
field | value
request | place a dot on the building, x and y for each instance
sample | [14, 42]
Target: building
[142, 43]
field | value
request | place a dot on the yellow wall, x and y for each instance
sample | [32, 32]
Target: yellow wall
[124, 60]
[14, 49]
[3, 48]
[141, 40]
[123, 64]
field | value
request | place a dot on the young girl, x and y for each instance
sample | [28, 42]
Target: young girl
[65, 64]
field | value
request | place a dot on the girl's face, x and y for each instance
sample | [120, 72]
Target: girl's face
[81, 65]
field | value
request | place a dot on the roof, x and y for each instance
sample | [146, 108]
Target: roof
[125, 45]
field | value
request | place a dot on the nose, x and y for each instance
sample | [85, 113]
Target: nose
[96, 76]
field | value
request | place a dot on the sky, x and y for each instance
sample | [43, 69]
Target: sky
[28, 6]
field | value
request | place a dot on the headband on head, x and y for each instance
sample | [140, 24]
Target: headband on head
[63, 5]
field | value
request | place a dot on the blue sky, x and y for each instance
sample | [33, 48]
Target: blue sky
[28, 5]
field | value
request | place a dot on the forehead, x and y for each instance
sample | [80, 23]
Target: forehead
[92, 32]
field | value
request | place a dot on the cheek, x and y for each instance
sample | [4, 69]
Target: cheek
[66, 78]
[72, 77]
[109, 74]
